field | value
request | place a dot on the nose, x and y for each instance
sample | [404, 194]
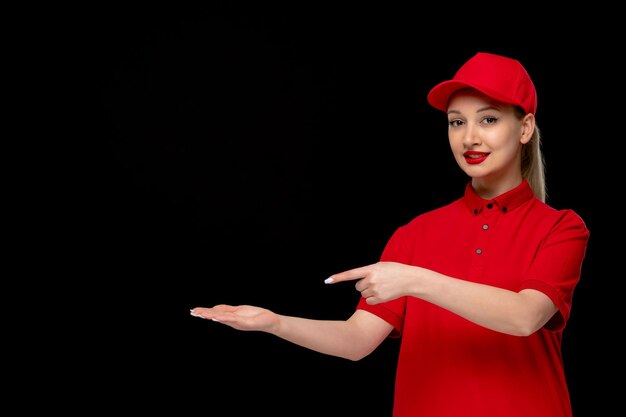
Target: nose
[471, 136]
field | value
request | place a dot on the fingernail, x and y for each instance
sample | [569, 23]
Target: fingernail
[328, 281]
[215, 320]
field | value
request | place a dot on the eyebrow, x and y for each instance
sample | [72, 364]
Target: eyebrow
[477, 111]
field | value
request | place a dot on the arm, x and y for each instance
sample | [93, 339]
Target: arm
[351, 339]
[515, 313]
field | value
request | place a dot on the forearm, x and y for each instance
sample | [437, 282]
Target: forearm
[495, 308]
[351, 339]
[332, 337]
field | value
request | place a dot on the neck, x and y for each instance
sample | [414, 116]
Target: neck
[491, 189]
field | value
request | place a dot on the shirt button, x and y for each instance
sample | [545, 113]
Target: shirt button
[479, 251]
[475, 211]
[489, 206]
[485, 226]
[504, 209]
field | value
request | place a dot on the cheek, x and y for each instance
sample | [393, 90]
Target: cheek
[455, 141]
[509, 151]
[513, 144]
[457, 148]
[504, 141]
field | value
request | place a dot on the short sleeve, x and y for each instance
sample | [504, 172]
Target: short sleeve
[396, 250]
[557, 266]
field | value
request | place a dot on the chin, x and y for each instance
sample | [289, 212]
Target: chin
[475, 173]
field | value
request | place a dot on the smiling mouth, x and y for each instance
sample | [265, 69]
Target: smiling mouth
[475, 157]
[475, 154]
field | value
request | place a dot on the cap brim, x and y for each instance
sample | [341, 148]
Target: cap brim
[440, 94]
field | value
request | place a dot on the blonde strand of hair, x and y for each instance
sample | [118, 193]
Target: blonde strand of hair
[533, 166]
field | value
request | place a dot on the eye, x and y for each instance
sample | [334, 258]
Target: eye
[455, 123]
[490, 120]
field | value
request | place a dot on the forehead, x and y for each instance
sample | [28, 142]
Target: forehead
[469, 97]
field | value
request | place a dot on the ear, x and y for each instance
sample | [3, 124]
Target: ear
[528, 127]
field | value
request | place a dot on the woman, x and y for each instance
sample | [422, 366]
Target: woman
[480, 289]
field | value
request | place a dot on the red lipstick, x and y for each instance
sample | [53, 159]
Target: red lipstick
[475, 157]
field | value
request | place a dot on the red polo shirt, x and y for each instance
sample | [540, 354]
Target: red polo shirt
[449, 366]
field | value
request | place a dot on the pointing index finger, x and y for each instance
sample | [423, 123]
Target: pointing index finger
[349, 275]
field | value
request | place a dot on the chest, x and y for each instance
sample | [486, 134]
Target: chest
[491, 248]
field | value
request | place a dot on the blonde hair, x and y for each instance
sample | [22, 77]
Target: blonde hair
[533, 165]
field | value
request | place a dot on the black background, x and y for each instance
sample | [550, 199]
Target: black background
[243, 154]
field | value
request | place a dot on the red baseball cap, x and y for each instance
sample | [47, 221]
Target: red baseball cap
[499, 77]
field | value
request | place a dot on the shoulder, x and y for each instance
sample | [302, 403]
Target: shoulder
[566, 220]
[435, 217]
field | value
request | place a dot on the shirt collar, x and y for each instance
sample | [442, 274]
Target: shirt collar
[504, 202]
